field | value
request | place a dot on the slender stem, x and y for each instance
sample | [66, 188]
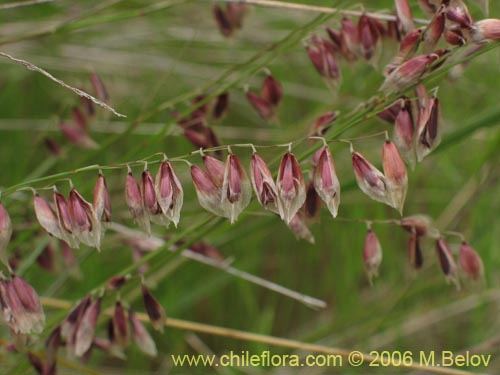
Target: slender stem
[265, 339]
[325, 10]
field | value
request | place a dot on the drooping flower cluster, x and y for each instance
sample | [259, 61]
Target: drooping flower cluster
[159, 200]
[73, 219]
[417, 127]
[78, 330]
[422, 234]
[268, 101]
[21, 307]
[451, 22]
[389, 187]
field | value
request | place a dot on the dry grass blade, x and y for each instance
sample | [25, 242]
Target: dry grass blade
[305, 299]
[78, 92]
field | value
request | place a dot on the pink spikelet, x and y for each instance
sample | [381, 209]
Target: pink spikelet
[370, 180]
[291, 187]
[470, 262]
[236, 188]
[135, 203]
[326, 182]
[447, 262]
[396, 175]
[263, 184]
[372, 255]
[5, 233]
[169, 192]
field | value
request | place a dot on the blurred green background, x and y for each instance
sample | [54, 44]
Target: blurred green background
[150, 56]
